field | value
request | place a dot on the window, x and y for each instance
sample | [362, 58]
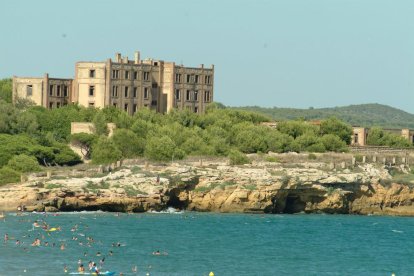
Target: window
[115, 91]
[126, 92]
[126, 75]
[196, 78]
[206, 96]
[135, 92]
[196, 95]
[196, 109]
[114, 104]
[115, 74]
[188, 95]
[91, 104]
[65, 91]
[177, 77]
[155, 63]
[126, 107]
[188, 78]
[146, 92]
[92, 73]
[51, 90]
[57, 105]
[29, 90]
[154, 85]
[134, 108]
[58, 91]
[91, 90]
[207, 79]
[154, 103]
[177, 94]
[135, 75]
[51, 105]
[146, 76]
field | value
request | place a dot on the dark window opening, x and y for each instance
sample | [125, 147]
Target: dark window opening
[126, 92]
[126, 75]
[195, 95]
[135, 92]
[196, 78]
[51, 90]
[196, 109]
[50, 105]
[154, 85]
[29, 90]
[65, 91]
[91, 104]
[188, 95]
[188, 78]
[91, 90]
[177, 94]
[154, 102]
[58, 91]
[91, 73]
[126, 107]
[135, 108]
[146, 92]
[146, 76]
[57, 105]
[135, 75]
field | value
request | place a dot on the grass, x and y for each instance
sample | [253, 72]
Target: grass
[131, 191]
[407, 179]
[250, 187]
[135, 170]
[272, 159]
[53, 186]
[97, 186]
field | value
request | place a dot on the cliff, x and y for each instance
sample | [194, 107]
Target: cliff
[261, 187]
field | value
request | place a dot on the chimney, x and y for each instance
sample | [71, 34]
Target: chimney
[137, 57]
[201, 65]
[118, 57]
[125, 59]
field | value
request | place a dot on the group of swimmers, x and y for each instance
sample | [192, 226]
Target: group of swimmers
[44, 232]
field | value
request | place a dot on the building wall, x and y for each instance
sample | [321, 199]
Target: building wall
[21, 89]
[129, 85]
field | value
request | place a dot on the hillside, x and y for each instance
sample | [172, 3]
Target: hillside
[357, 115]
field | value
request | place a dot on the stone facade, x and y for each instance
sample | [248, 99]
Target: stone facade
[48, 92]
[126, 84]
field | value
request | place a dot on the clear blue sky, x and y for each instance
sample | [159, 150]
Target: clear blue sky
[290, 53]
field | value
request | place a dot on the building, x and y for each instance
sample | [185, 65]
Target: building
[126, 84]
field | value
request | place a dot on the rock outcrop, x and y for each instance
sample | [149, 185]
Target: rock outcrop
[261, 187]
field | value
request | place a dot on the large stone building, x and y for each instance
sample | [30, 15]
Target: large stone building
[125, 84]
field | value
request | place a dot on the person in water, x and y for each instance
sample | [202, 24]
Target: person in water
[81, 269]
[95, 268]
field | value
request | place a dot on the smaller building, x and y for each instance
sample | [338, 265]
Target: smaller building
[47, 92]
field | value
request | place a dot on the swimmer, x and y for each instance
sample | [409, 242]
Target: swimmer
[135, 269]
[62, 246]
[157, 253]
[6, 237]
[81, 269]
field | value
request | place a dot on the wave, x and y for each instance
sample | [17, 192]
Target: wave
[169, 210]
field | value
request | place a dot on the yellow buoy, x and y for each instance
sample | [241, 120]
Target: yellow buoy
[211, 273]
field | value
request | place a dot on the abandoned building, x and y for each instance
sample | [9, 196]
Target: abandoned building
[126, 84]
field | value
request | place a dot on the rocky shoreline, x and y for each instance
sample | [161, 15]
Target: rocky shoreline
[260, 187]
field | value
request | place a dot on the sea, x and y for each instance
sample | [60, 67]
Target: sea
[190, 243]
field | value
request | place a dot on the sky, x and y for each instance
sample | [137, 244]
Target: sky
[290, 53]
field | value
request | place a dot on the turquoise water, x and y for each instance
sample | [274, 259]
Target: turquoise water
[227, 244]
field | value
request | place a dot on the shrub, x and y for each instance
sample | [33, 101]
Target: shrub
[271, 159]
[312, 156]
[162, 149]
[24, 163]
[238, 158]
[8, 175]
[105, 152]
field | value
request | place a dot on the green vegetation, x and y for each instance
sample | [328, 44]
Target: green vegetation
[53, 186]
[238, 158]
[378, 137]
[366, 115]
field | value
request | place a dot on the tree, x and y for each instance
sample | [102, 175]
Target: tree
[333, 143]
[100, 124]
[162, 149]
[296, 128]
[84, 141]
[128, 143]
[338, 128]
[6, 90]
[104, 151]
